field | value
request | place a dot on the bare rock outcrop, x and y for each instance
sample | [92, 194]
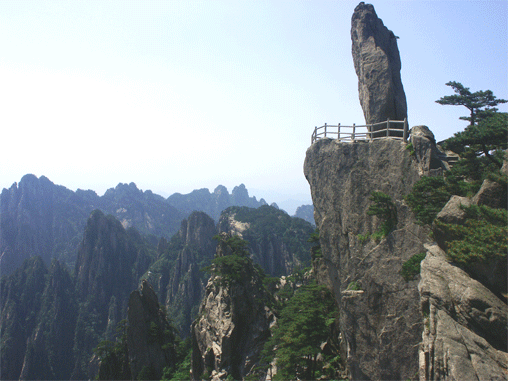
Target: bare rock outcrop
[148, 334]
[377, 64]
[380, 319]
[232, 326]
[186, 284]
[465, 329]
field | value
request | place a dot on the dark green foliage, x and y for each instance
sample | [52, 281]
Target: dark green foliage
[316, 249]
[181, 369]
[481, 141]
[147, 373]
[427, 198]
[410, 148]
[303, 325]
[354, 286]
[482, 238]
[480, 103]
[385, 209]
[20, 303]
[411, 268]
[234, 264]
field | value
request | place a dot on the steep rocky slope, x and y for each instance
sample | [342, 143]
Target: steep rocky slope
[110, 262]
[20, 303]
[277, 242]
[465, 330]
[187, 282]
[38, 217]
[380, 317]
[233, 322]
[443, 324]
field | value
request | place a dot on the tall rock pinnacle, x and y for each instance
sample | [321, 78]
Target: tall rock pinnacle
[377, 64]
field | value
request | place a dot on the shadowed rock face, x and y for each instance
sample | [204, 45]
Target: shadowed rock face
[381, 324]
[147, 334]
[377, 64]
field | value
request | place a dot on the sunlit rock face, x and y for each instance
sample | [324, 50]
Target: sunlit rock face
[232, 326]
[381, 323]
[377, 64]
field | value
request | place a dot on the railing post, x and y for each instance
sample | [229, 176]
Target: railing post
[404, 134]
[325, 130]
[353, 137]
[338, 132]
[388, 127]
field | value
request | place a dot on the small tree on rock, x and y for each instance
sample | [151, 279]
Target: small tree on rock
[480, 103]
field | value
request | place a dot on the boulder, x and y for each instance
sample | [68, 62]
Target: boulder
[377, 64]
[465, 328]
[426, 153]
[491, 194]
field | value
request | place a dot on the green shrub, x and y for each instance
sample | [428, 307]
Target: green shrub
[428, 196]
[411, 268]
[316, 249]
[383, 208]
[353, 286]
[363, 238]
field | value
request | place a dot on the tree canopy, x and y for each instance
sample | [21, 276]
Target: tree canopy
[480, 103]
[303, 325]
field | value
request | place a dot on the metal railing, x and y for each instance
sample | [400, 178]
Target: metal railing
[393, 129]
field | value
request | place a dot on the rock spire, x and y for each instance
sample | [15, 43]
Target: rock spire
[377, 64]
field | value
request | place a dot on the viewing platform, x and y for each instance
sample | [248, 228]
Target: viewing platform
[392, 129]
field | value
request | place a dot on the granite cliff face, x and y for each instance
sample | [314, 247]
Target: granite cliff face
[377, 64]
[187, 282]
[110, 262]
[150, 338]
[233, 323]
[442, 325]
[380, 321]
[277, 242]
[465, 331]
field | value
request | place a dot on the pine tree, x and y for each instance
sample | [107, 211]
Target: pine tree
[480, 103]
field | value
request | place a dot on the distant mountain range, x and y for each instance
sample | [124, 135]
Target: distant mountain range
[56, 317]
[38, 217]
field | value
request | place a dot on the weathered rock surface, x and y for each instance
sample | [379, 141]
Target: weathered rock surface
[377, 64]
[148, 334]
[465, 331]
[187, 282]
[277, 242]
[381, 324]
[431, 161]
[110, 262]
[491, 273]
[38, 318]
[491, 194]
[232, 326]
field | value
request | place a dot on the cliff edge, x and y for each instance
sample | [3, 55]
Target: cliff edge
[380, 318]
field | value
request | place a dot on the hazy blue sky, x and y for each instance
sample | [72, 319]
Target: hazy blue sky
[179, 95]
